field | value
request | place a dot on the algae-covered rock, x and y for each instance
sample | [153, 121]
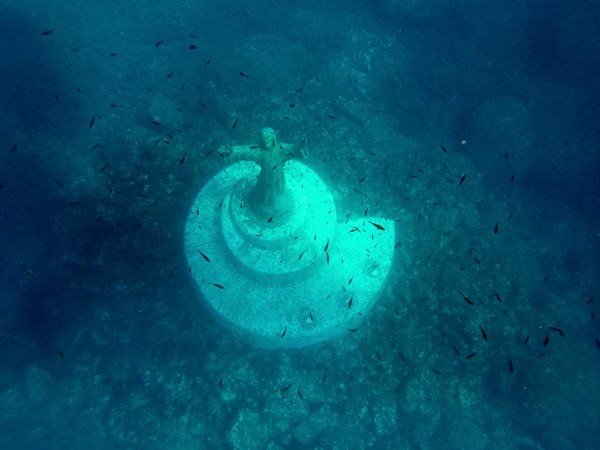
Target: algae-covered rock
[249, 431]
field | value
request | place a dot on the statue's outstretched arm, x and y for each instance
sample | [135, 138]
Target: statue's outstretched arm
[240, 152]
[300, 150]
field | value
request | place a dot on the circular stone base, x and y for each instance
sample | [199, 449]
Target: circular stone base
[286, 281]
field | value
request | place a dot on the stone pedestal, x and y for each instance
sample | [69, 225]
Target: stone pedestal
[288, 279]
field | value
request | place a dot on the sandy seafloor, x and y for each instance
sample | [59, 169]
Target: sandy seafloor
[105, 341]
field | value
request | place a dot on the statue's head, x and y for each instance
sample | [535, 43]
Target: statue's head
[268, 138]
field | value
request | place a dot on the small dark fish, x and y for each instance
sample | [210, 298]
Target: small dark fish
[169, 75]
[483, 333]
[234, 123]
[284, 331]
[350, 280]
[462, 179]
[590, 300]
[437, 372]
[113, 54]
[209, 60]
[376, 225]
[121, 387]
[511, 367]
[270, 219]
[496, 228]
[155, 122]
[14, 147]
[526, 340]
[402, 357]
[378, 356]
[324, 378]
[60, 353]
[300, 257]
[352, 330]
[206, 258]
[326, 245]
[192, 47]
[182, 159]
[350, 302]
[467, 299]
[243, 74]
[95, 146]
[74, 203]
[470, 355]
[158, 43]
[217, 285]
[300, 394]
[498, 298]
[558, 330]
[397, 245]
[327, 257]
[547, 340]
[512, 178]
[455, 350]
[92, 122]
[285, 388]
[597, 343]
[103, 167]
[443, 149]
[47, 32]
[60, 184]
[362, 179]
[330, 116]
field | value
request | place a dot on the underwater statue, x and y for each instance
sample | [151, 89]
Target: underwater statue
[270, 256]
[269, 195]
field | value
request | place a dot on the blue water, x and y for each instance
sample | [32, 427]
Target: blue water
[105, 342]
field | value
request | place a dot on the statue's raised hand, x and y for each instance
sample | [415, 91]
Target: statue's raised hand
[225, 150]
